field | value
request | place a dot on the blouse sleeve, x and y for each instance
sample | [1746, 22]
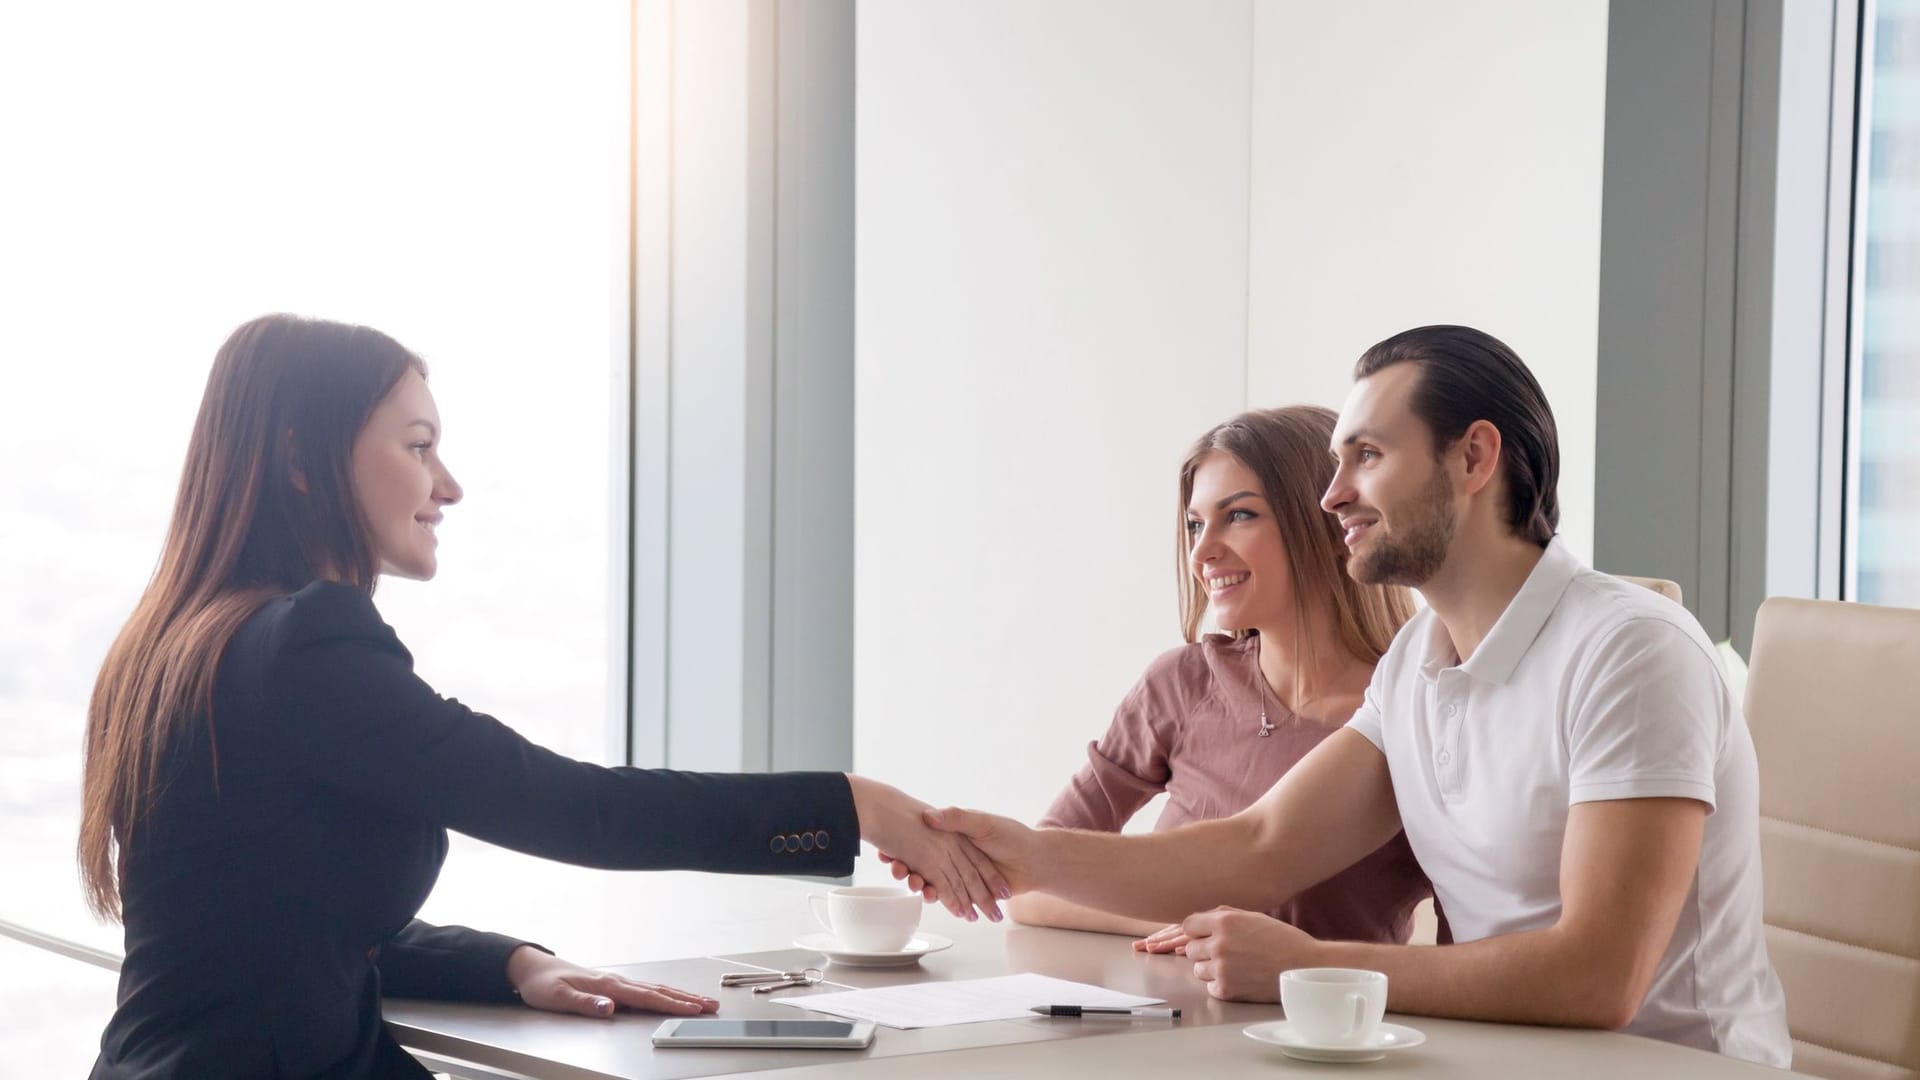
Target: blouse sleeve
[1131, 763]
[350, 714]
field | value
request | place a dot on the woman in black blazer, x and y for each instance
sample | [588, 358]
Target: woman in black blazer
[268, 785]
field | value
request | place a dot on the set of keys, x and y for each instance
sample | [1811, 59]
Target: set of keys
[766, 982]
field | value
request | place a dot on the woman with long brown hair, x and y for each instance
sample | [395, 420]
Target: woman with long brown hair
[1218, 721]
[268, 785]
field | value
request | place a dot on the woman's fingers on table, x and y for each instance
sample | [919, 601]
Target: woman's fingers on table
[1167, 939]
[662, 992]
[653, 997]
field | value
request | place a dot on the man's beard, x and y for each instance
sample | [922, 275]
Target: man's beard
[1410, 554]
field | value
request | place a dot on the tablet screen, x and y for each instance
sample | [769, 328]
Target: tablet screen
[763, 1029]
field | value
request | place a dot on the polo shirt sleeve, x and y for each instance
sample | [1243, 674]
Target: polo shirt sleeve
[1649, 713]
[1366, 719]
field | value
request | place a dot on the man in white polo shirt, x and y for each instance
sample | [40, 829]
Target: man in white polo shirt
[1559, 746]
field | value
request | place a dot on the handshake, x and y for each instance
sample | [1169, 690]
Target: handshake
[964, 859]
[970, 861]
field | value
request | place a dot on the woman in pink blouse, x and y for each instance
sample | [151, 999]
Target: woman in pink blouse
[1218, 721]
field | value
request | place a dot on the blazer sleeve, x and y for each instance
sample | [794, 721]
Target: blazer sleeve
[349, 713]
[447, 963]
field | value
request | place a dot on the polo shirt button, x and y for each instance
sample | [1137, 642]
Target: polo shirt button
[778, 844]
[806, 841]
[1451, 710]
[820, 839]
[1444, 757]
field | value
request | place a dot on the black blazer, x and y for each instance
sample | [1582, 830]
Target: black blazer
[269, 900]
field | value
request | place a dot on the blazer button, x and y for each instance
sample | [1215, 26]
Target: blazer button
[793, 843]
[806, 841]
[820, 839]
[778, 845]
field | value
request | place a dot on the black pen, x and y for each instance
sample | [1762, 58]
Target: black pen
[1089, 1010]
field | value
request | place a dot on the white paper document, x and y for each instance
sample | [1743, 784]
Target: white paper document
[963, 1001]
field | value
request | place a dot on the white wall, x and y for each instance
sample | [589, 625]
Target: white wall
[1051, 291]
[1064, 210]
[1418, 163]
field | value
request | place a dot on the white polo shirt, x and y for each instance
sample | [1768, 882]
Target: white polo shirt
[1588, 688]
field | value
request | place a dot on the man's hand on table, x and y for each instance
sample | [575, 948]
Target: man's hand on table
[1238, 954]
[547, 982]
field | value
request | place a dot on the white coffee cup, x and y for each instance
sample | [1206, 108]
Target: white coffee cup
[1333, 1006]
[868, 918]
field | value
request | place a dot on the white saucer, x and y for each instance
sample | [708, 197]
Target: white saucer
[1385, 1037]
[921, 945]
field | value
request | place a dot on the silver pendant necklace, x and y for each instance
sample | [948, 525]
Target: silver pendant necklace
[1260, 685]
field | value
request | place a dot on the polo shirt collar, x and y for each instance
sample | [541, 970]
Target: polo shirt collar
[1514, 632]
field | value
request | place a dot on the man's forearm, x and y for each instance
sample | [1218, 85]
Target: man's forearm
[1537, 977]
[1165, 876]
[1040, 909]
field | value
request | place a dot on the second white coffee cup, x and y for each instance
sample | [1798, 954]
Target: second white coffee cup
[1333, 1006]
[868, 918]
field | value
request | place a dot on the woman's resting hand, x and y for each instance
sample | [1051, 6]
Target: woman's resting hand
[548, 982]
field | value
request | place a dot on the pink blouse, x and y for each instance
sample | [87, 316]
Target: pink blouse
[1191, 727]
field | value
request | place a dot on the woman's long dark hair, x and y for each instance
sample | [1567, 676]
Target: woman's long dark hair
[265, 506]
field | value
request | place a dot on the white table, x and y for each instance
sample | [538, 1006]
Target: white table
[685, 929]
[716, 924]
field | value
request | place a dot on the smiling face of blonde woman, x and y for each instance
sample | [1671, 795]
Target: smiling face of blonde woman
[1234, 549]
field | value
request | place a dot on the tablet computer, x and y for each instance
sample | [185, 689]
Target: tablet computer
[799, 1034]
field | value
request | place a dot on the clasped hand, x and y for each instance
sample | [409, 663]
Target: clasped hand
[1238, 954]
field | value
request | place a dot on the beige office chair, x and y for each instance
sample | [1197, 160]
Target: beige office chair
[1668, 589]
[1833, 700]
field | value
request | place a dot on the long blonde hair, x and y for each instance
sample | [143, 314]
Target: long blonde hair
[286, 398]
[1287, 450]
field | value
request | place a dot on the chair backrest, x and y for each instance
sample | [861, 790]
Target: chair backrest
[1668, 589]
[1833, 701]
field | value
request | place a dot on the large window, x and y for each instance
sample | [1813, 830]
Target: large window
[1883, 396]
[451, 172]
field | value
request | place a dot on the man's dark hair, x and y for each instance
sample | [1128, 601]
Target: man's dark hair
[1467, 375]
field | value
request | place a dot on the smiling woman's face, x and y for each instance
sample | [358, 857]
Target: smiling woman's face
[1234, 547]
[400, 481]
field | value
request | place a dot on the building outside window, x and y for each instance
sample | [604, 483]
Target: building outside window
[1883, 504]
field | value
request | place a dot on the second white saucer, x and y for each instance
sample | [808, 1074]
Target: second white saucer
[922, 944]
[1385, 1037]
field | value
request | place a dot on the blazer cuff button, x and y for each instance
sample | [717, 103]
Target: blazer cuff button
[820, 839]
[806, 841]
[778, 845]
[793, 843]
